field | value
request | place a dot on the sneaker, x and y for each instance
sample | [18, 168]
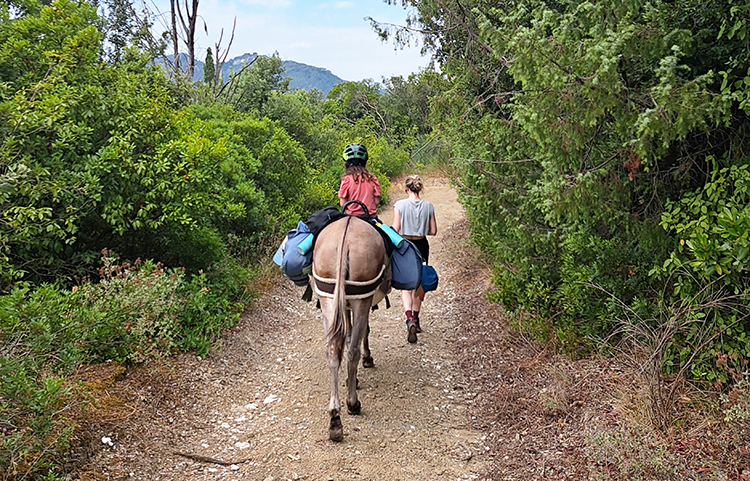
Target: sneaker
[419, 329]
[411, 326]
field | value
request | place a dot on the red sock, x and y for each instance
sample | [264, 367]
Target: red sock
[416, 315]
[409, 316]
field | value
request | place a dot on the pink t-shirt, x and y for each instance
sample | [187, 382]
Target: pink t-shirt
[364, 191]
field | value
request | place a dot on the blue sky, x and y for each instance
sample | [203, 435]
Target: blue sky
[327, 34]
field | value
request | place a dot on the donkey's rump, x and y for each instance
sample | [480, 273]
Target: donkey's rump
[368, 276]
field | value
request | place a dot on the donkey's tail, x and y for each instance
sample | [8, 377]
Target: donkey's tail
[340, 326]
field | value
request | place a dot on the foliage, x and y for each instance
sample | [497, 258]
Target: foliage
[36, 332]
[41, 128]
[119, 27]
[100, 152]
[131, 311]
[252, 85]
[209, 69]
[585, 135]
[99, 155]
[351, 102]
[135, 313]
[39, 333]
[712, 224]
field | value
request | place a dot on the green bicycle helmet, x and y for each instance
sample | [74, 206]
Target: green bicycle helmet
[355, 154]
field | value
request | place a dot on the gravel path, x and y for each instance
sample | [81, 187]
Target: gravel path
[256, 408]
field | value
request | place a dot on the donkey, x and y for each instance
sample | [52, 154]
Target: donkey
[350, 274]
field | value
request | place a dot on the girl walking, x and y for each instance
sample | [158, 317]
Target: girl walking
[414, 219]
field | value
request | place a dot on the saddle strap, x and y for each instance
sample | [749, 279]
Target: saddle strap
[354, 289]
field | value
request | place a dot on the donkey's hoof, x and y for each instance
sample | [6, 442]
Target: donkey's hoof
[336, 429]
[354, 409]
[368, 362]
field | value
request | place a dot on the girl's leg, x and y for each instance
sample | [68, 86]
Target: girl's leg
[407, 297]
[416, 301]
[407, 300]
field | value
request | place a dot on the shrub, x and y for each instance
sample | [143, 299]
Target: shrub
[132, 310]
[707, 272]
[134, 313]
[39, 332]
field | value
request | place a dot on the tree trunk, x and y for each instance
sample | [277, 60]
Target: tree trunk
[175, 42]
[189, 29]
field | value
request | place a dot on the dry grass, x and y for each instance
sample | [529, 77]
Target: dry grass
[110, 395]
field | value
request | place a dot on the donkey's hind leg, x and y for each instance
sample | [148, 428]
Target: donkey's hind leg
[360, 314]
[367, 360]
[334, 354]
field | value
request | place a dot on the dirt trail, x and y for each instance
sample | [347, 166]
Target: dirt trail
[260, 402]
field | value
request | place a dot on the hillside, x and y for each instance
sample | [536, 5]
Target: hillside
[303, 76]
[307, 77]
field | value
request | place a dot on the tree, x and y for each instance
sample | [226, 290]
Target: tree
[221, 57]
[252, 86]
[209, 71]
[175, 38]
[120, 26]
[354, 102]
[573, 126]
[188, 30]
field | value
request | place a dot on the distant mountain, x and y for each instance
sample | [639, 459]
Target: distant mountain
[303, 76]
[308, 77]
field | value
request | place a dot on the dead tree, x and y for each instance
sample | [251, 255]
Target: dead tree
[221, 57]
[188, 27]
[175, 40]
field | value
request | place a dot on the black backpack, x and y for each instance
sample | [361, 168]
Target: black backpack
[318, 220]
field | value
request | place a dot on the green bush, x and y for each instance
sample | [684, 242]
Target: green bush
[134, 313]
[707, 272]
[585, 134]
[205, 312]
[39, 344]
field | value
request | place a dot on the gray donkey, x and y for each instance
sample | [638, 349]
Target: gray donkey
[351, 273]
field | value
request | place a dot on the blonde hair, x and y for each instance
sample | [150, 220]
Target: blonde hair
[413, 183]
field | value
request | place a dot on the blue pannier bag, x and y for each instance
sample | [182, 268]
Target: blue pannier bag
[429, 278]
[296, 266]
[406, 267]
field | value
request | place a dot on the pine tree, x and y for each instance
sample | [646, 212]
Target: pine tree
[209, 71]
